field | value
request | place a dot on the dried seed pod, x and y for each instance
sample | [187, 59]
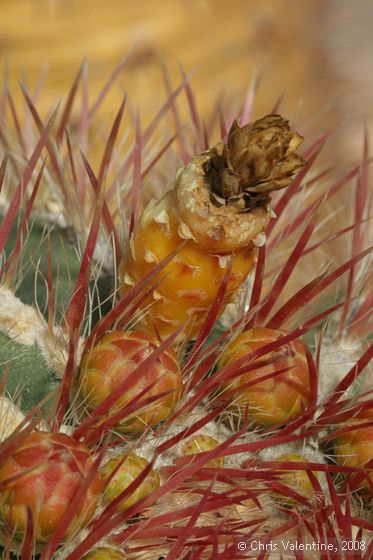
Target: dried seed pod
[200, 443]
[219, 207]
[128, 471]
[43, 474]
[355, 449]
[112, 360]
[277, 399]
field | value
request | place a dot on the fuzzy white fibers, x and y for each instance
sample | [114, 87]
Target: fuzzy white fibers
[25, 325]
[337, 357]
[10, 417]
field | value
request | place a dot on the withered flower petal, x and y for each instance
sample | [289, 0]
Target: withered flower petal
[257, 159]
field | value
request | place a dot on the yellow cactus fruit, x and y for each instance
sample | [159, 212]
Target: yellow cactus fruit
[112, 360]
[217, 211]
[200, 443]
[277, 399]
[129, 470]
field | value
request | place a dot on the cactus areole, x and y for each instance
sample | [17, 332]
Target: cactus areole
[216, 212]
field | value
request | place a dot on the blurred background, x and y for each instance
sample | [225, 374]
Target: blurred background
[318, 53]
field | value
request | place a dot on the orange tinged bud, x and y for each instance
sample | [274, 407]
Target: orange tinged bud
[355, 449]
[51, 467]
[199, 444]
[279, 398]
[112, 360]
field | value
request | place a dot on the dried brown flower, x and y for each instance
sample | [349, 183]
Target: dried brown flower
[258, 158]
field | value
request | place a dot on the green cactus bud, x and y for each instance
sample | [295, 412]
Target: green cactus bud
[130, 469]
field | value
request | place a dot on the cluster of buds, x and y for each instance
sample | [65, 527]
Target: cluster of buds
[213, 219]
[208, 230]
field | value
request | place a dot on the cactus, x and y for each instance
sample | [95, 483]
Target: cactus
[228, 332]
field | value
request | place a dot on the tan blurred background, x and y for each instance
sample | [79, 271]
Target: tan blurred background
[221, 41]
[317, 52]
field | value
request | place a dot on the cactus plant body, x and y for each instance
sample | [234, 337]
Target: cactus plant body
[176, 286]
